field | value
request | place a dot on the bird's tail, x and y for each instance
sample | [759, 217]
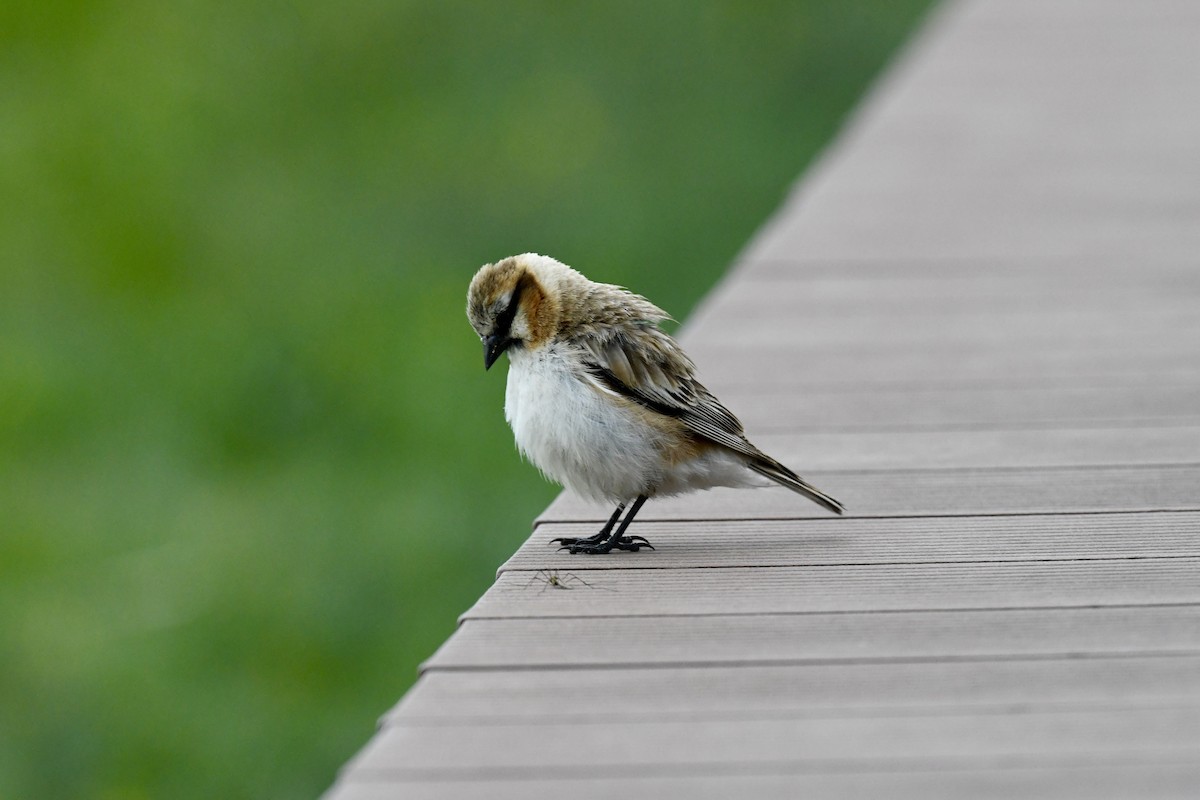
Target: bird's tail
[770, 468]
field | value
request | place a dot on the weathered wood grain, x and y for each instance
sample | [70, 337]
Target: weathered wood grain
[551, 749]
[621, 640]
[847, 307]
[1040, 280]
[836, 292]
[800, 364]
[781, 411]
[872, 587]
[968, 449]
[845, 541]
[1156, 780]
[1014, 330]
[758, 691]
[926, 493]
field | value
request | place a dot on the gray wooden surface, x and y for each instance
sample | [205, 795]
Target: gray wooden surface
[976, 322]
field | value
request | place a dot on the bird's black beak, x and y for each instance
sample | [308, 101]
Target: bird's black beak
[493, 346]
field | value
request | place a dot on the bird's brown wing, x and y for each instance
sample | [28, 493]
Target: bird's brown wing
[647, 366]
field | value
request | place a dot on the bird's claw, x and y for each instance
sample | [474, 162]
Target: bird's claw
[591, 547]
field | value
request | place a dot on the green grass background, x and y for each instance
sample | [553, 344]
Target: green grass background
[251, 467]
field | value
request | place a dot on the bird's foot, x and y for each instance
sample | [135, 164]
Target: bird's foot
[567, 541]
[593, 545]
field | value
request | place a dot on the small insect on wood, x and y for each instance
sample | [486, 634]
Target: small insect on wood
[551, 579]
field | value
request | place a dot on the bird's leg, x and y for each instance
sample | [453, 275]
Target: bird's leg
[617, 540]
[567, 541]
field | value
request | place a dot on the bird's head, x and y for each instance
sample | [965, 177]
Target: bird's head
[512, 304]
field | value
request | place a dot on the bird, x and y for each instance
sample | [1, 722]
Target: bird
[606, 403]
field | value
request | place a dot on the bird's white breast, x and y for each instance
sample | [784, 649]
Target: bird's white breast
[593, 443]
[574, 432]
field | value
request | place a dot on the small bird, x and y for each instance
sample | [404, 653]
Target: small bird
[604, 402]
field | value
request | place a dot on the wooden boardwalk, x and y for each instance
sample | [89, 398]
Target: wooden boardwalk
[977, 323]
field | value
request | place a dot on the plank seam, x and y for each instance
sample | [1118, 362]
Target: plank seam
[956, 515]
[821, 661]
[547, 772]
[956, 610]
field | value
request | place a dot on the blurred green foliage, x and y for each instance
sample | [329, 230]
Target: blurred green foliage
[251, 467]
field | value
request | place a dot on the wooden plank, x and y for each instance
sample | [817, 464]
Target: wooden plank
[851, 541]
[527, 751]
[1095, 781]
[954, 449]
[874, 587]
[775, 410]
[927, 493]
[821, 281]
[1012, 331]
[944, 288]
[794, 690]
[1108, 781]
[815, 453]
[839, 311]
[802, 364]
[778, 638]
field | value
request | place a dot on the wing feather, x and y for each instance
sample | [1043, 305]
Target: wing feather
[647, 366]
[619, 365]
